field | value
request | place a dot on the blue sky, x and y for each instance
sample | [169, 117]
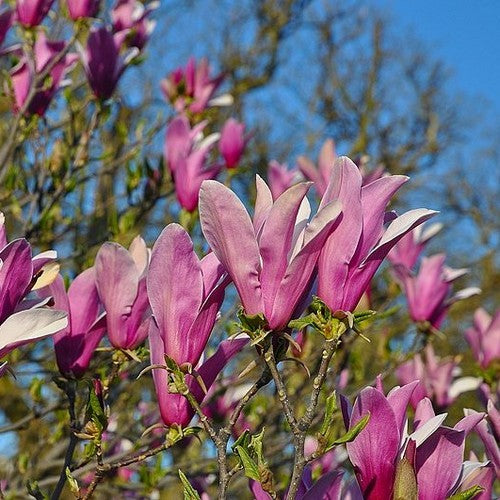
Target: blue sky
[465, 34]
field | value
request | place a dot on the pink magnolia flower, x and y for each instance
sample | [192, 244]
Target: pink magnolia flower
[120, 276]
[408, 249]
[191, 87]
[132, 17]
[434, 452]
[271, 261]
[79, 9]
[437, 379]
[185, 295]
[280, 178]
[186, 155]
[355, 249]
[75, 344]
[23, 75]
[428, 293]
[484, 337]
[102, 61]
[32, 12]
[319, 175]
[232, 142]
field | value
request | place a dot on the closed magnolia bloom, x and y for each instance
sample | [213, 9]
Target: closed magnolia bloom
[280, 178]
[271, 261]
[408, 249]
[23, 75]
[120, 276]
[185, 295]
[102, 61]
[429, 292]
[79, 9]
[433, 454]
[232, 142]
[355, 249]
[6, 19]
[186, 155]
[75, 344]
[484, 337]
[31, 13]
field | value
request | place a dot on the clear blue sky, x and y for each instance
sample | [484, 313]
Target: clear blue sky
[465, 33]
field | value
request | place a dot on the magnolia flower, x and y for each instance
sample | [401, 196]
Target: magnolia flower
[428, 293]
[191, 87]
[75, 344]
[437, 378]
[271, 261]
[120, 276]
[102, 61]
[6, 19]
[185, 295]
[410, 246]
[131, 18]
[387, 462]
[30, 13]
[79, 9]
[280, 178]
[186, 155]
[232, 142]
[484, 337]
[319, 175]
[23, 74]
[357, 246]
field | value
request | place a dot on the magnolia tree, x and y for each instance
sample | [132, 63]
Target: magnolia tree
[237, 352]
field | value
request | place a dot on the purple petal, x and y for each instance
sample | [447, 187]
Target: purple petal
[327, 487]
[399, 399]
[263, 204]
[83, 301]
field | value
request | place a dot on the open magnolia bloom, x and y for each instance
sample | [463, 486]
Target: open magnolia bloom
[356, 248]
[427, 464]
[271, 261]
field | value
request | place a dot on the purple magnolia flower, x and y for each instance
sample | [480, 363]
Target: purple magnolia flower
[484, 337]
[131, 18]
[185, 295]
[102, 61]
[79, 9]
[22, 321]
[435, 453]
[272, 261]
[23, 74]
[120, 276]
[30, 13]
[75, 344]
[191, 87]
[429, 292]
[186, 156]
[437, 378]
[232, 142]
[408, 249]
[319, 175]
[357, 246]
[280, 178]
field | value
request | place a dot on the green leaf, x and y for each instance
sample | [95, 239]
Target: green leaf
[251, 468]
[330, 409]
[252, 323]
[304, 322]
[467, 494]
[189, 492]
[257, 446]
[73, 483]
[243, 440]
[351, 434]
[95, 411]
